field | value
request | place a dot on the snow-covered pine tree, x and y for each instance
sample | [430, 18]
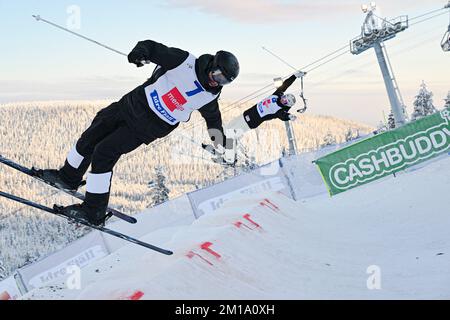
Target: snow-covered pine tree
[328, 140]
[2, 271]
[382, 127]
[349, 135]
[391, 121]
[423, 105]
[248, 164]
[248, 161]
[447, 101]
[159, 188]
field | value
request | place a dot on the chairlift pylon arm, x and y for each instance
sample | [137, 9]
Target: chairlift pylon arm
[302, 93]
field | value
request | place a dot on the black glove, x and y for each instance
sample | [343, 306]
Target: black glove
[283, 115]
[136, 58]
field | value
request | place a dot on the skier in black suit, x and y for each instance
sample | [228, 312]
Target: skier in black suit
[179, 85]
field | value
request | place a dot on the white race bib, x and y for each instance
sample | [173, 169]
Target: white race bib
[177, 93]
[268, 106]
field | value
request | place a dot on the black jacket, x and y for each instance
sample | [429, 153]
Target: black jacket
[252, 116]
[138, 114]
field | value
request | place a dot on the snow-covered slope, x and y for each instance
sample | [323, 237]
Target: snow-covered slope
[270, 247]
[40, 134]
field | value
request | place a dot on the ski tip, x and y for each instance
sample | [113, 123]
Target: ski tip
[128, 219]
[157, 249]
[124, 217]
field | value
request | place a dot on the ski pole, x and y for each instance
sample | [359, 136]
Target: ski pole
[39, 18]
[300, 74]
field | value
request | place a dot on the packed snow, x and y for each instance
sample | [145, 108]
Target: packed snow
[385, 240]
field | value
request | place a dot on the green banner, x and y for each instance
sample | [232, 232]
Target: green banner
[386, 153]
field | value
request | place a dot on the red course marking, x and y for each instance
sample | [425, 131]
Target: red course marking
[240, 224]
[137, 295]
[269, 204]
[206, 246]
[247, 217]
[5, 296]
[272, 204]
[192, 254]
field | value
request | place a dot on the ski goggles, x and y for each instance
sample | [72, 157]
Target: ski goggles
[218, 76]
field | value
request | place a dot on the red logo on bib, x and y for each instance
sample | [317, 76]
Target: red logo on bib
[174, 100]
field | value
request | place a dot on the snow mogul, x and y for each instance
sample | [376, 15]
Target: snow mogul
[180, 84]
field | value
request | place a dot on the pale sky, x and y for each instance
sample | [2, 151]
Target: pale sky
[39, 62]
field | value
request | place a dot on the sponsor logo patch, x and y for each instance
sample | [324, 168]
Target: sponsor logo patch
[174, 100]
[157, 103]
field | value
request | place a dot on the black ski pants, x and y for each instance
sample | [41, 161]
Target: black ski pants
[101, 145]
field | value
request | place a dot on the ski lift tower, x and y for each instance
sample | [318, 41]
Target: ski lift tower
[375, 31]
[291, 138]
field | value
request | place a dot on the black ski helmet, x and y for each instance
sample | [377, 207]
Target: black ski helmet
[227, 63]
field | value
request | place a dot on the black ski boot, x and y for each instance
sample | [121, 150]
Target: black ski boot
[54, 178]
[81, 212]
